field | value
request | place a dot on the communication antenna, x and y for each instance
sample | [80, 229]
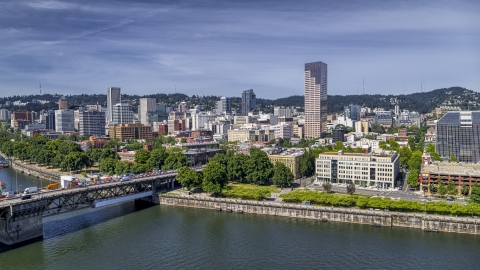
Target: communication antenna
[40, 87]
[363, 85]
[175, 88]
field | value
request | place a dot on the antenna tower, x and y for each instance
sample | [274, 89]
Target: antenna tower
[40, 87]
[363, 85]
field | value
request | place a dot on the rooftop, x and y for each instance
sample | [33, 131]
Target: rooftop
[452, 168]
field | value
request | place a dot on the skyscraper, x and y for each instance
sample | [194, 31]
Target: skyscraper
[315, 99]
[64, 121]
[147, 108]
[249, 101]
[113, 97]
[92, 122]
[224, 106]
[458, 134]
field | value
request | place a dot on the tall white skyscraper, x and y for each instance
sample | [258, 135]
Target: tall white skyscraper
[147, 108]
[113, 97]
[122, 114]
[315, 99]
[64, 121]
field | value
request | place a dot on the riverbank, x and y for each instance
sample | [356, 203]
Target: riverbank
[427, 223]
[33, 170]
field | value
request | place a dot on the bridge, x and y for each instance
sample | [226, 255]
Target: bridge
[22, 220]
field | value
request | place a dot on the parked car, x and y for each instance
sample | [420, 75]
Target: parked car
[450, 199]
[125, 178]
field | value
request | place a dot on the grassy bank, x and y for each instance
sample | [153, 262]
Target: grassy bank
[248, 191]
[364, 202]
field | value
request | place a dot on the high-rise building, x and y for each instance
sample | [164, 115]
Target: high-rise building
[5, 114]
[122, 114]
[183, 106]
[50, 121]
[353, 112]
[62, 104]
[64, 121]
[315, 99]
[224, 106]
[19, 119]
[249, 101]
[147, 110]
[92, 122]
[282, 111]
[458, 134]
[113, 97]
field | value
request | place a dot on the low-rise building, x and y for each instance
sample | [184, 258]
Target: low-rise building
[124, 132]
[378, 170]
[289, 157]
[458, 173]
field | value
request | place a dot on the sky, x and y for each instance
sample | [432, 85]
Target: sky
[224, 47]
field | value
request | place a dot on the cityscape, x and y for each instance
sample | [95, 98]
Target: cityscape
[209, 180]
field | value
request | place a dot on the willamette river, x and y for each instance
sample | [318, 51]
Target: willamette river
[169, 237]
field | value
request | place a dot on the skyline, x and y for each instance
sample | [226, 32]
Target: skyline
[224, 48]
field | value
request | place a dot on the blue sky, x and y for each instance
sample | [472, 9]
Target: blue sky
[224, 47]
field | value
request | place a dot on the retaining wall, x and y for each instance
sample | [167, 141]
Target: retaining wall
[30, 170]
[375, 218]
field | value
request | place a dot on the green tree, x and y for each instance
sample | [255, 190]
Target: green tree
[451, 189]
[7, 148]
[188, 178]
[339, 146]
[415, 162]
[259, 167]
[413, 178]
[393, 145]
[236, 167]
[351, 188]
[441, 188]
[94, 154]
[183, 140]
[108, 165]
[142, 156]
[214, 177]
[109, 153]
[475, 193]
[282, 175]
[453, 159]
[220, 158]
[175, 160]
[45, 157]
[359, 150]
[405, 155]
[369, 137]
[115, 144]
[307, 163]
[327, 186]
[157, 157]
[465, 189]
[432, 188]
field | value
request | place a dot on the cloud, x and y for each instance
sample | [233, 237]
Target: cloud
[54, 5]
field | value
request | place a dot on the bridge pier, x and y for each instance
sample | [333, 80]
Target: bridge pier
[22, 222]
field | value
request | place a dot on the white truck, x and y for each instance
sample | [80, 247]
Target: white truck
[65, 180]
[30, 190]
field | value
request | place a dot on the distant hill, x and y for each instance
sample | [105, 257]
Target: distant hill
[422, 102]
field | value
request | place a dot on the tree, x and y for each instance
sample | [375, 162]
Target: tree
[369, 137]
[327, 187]
[453, 159]
[351, 188]
[142, 156]
[220, 158]
[108, 165]
[157, 157]
[441, 189]
[451, 189]
[393, 145]
[188, 177]
[282, 175]
[175, 160]
[115, 143]
[214, 177]
[236, 167]
[94, 154]
[432, 188]
[307, 163]
[413, 178]
[339, 146]
[183, 140]
[109, 153]
[44, 157]
[405, 155]
[415, 162]
[465, 189]
[259, 167]
[475, 193]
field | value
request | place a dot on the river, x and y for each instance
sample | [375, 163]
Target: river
[170, 237]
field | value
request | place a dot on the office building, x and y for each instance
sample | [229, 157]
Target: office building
[384, 118]
[183, 106]
[147, 111]
[315, 99]
[19, 119]
[5, 114]
[124, 132]
[64, 121]
[353, 112]
[122, 114]
[62, 104]
[282, 112]
[249, 101]
[338, 135]
[289, 157]
[92, 122]
[458, 134]
[224, 106]
[376, 170]
[113, 97]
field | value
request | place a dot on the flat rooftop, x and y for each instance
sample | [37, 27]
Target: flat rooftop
[452, 168]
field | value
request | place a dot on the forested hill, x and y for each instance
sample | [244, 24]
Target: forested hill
[421, 102]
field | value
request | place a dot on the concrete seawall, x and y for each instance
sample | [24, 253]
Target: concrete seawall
[37, 172]
[374, 218]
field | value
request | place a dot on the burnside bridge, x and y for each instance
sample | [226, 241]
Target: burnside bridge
[22, 220]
